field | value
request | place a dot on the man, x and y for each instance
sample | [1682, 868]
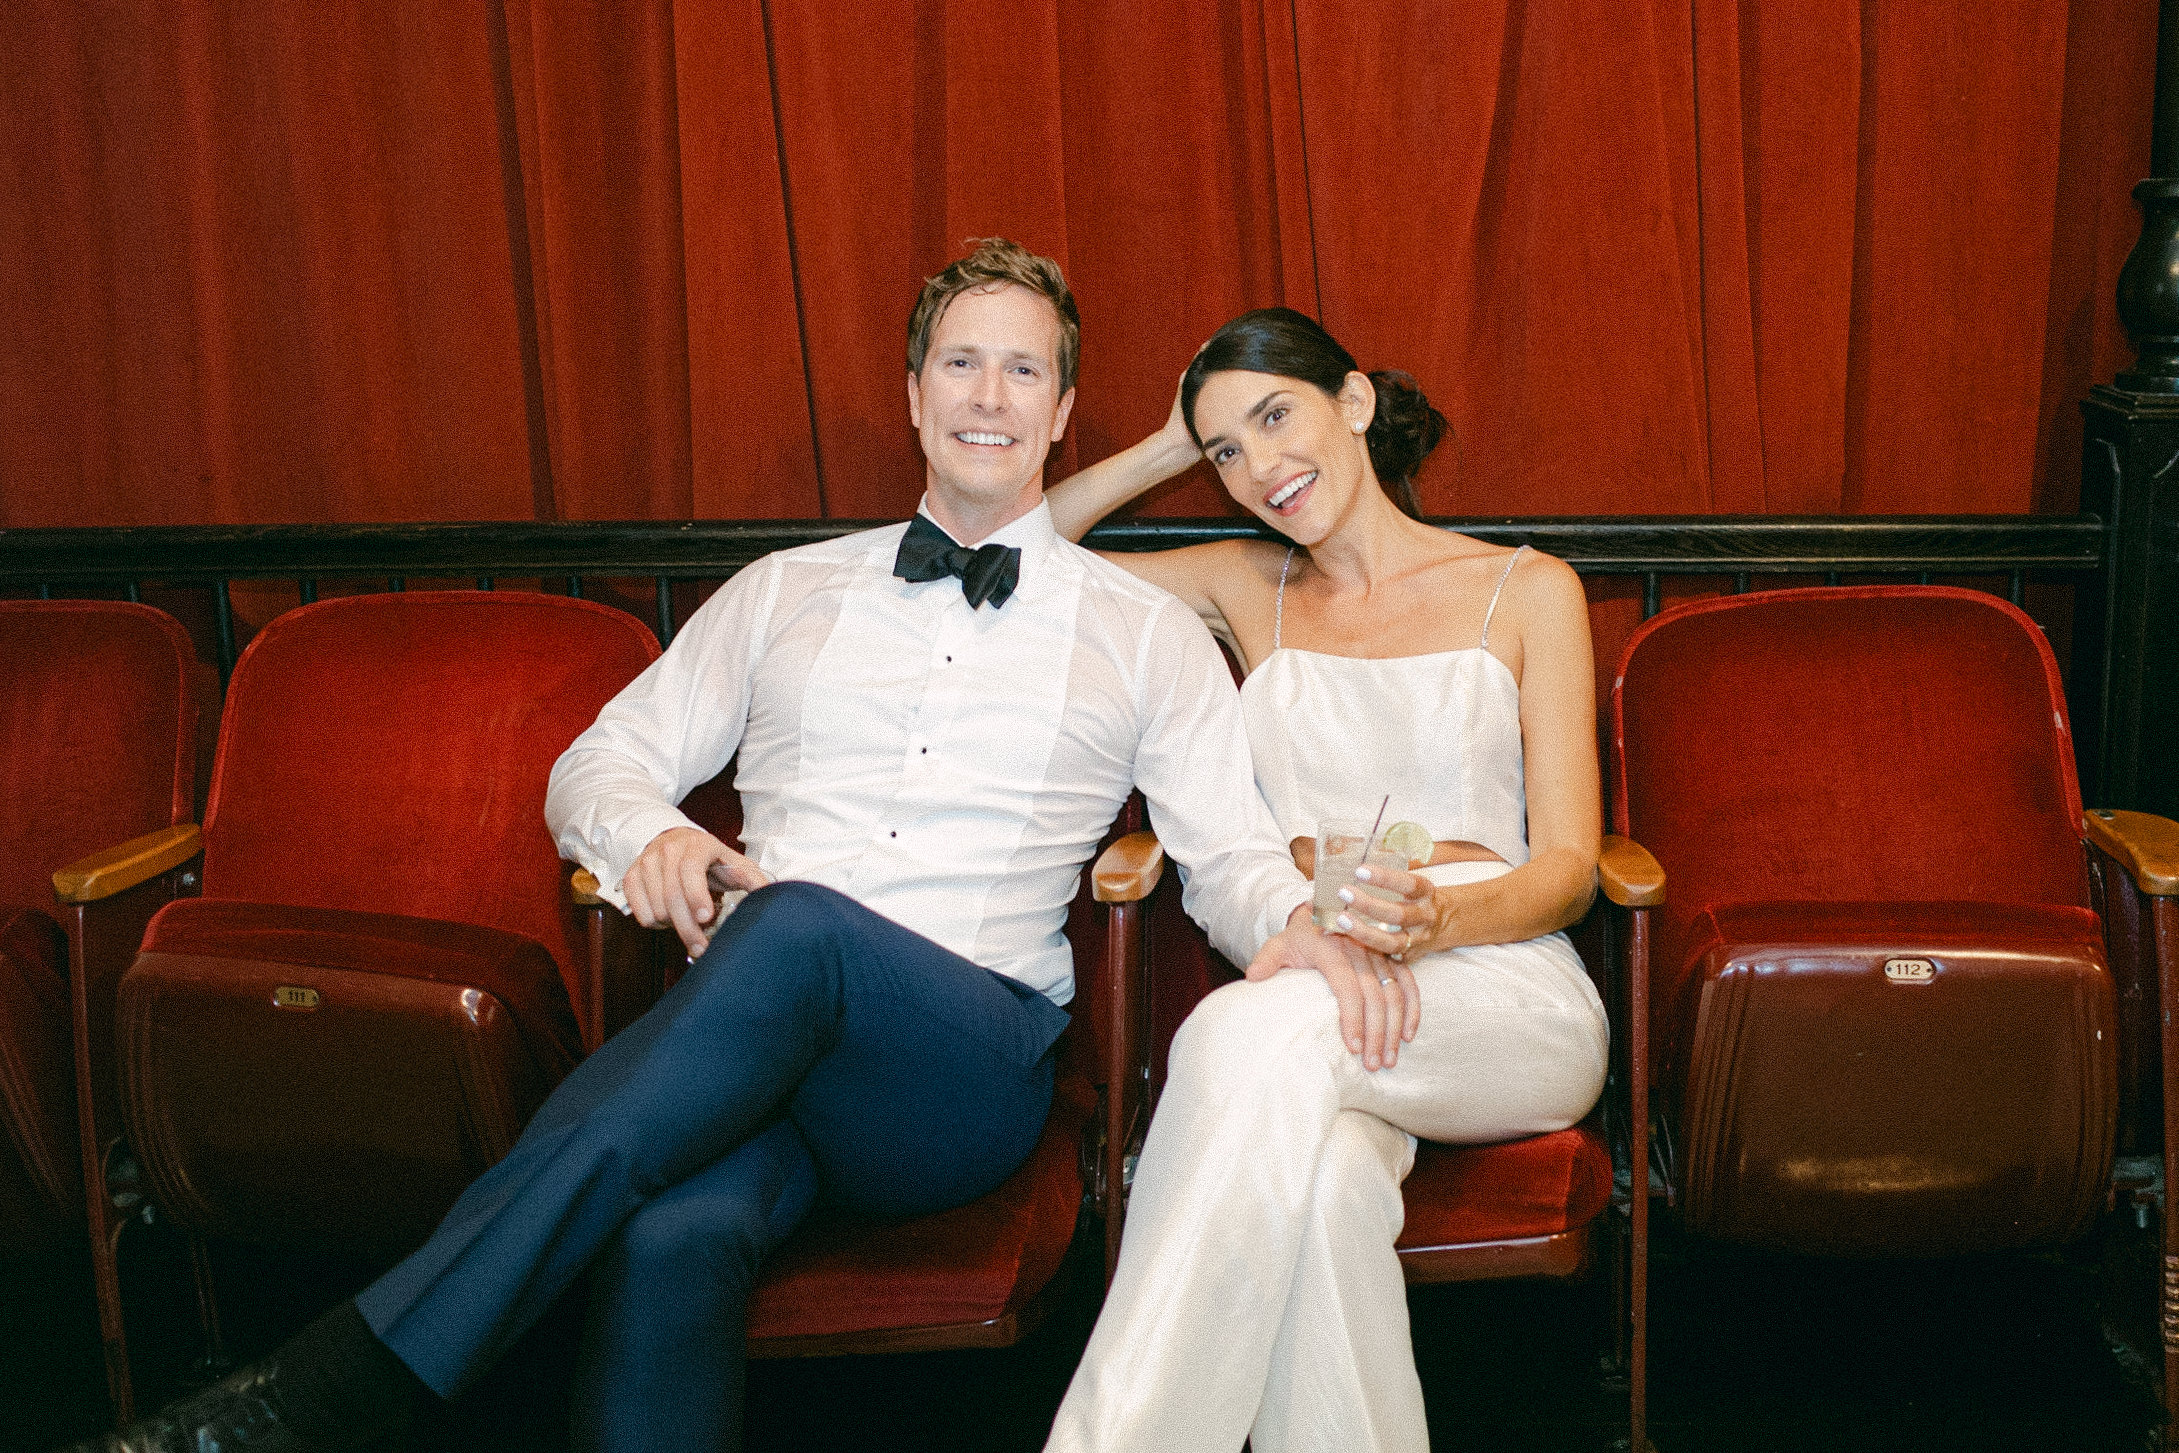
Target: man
[925, 763]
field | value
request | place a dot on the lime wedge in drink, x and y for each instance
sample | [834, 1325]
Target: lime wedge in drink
[1411, 840]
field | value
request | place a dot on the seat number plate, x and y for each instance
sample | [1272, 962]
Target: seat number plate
[289, 996]
[1910, 971]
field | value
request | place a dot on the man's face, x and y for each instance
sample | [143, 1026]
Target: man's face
[987, 404]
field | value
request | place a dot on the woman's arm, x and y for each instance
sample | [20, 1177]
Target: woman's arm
[1558, 748]
[1565, 811]
[1202, 575]
[1088, 495]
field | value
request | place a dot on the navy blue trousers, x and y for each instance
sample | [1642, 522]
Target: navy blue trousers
[815, 1050]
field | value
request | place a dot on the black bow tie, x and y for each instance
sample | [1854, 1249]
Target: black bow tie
[987, 572]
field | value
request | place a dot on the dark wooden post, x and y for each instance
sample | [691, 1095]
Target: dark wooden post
[2130, 477]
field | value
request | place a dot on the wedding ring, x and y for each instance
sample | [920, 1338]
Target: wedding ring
[1408, 944]
[1387, 979]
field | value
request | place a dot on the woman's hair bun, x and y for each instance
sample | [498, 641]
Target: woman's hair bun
[1401, 435]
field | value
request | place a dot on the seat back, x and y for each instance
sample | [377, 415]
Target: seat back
[98, 731]
[389, 753]
[99, 724]
[1915, 737]
[1881, 1010]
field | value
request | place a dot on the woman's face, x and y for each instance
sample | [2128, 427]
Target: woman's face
[1289, 452]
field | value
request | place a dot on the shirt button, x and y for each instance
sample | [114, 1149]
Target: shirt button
[892, 834]
[926, 751]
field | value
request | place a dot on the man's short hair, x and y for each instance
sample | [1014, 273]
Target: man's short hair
[994, 261]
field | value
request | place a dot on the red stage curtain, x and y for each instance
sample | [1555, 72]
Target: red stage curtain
[254, 266]
[653, 258]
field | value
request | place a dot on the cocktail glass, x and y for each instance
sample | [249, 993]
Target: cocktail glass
[1341, 847]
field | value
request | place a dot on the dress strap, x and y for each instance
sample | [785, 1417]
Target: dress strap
[1278, 608]
[1492, 610]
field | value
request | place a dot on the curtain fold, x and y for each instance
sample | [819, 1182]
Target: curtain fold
[751, 427]
[1786, 160]
[1186, 199]
[654, 258]
[1953, 230]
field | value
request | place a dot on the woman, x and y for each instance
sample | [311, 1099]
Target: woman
[1258, 1294]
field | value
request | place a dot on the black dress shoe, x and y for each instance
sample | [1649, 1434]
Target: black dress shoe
[243, 1413]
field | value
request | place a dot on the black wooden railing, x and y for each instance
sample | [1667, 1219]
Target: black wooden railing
[2001, 552]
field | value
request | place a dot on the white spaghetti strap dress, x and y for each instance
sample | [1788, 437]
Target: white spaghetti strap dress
[1258, 1295]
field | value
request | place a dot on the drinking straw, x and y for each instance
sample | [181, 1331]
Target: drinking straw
[1371, 841]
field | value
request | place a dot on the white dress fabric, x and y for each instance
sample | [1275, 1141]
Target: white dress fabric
[1258, 1295]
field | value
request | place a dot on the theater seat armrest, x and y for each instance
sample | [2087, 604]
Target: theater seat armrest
[117, 869]
[1129, 869]
[583, 888]
[2146, 845]
[1630, 877]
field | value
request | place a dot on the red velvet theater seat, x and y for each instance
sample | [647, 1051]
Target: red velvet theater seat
[1518, 1207]
[965, 1277]
[1474, 1212]
[1884, 1007]
[475, 1020]
[41, 1168]
[100, 706]
[383, 976]
[98, 745]
[978, 1275]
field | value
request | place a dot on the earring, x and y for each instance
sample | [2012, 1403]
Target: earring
[1358, 428]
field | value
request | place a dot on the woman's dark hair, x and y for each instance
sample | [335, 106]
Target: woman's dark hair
[1294, 345]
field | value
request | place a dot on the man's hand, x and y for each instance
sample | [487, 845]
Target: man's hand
[673, 882]
[1379, 1006]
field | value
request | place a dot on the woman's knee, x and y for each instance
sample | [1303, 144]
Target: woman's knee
[1359, 1174]
[1275, 1025]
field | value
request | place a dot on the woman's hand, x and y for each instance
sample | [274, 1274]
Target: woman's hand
[1173, 441]
[1391, 910]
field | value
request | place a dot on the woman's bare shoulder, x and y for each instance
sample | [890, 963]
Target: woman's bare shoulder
[1544, 601]
[1538, 570]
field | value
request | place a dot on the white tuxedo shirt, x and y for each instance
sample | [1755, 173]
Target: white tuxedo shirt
[948, 767]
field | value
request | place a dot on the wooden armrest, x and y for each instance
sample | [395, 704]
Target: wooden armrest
[1129, 869]
[117, 869]
[2146, 845]
[583, 888]
[1630, 876]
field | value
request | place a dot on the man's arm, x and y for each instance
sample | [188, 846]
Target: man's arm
[611, 801]
[1194, 769]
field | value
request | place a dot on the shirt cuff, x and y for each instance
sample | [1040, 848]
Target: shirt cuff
[1283, 904]
[626, 842]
